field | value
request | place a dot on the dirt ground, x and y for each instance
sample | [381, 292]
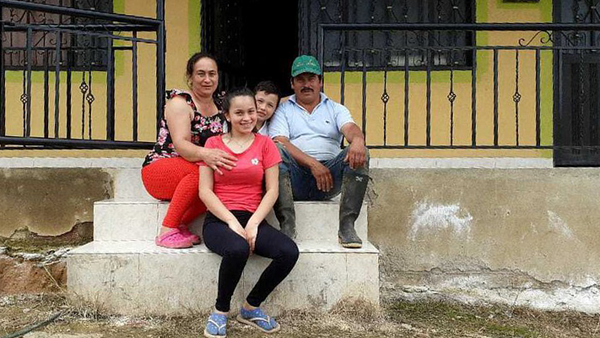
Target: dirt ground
[397, 318]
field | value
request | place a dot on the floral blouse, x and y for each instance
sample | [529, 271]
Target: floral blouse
[202, 128]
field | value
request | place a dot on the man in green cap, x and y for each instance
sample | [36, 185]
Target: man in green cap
[310, 128]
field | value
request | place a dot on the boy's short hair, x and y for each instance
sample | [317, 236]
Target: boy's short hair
[268, 87]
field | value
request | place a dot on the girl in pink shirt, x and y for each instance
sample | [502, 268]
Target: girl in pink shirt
[235, 225]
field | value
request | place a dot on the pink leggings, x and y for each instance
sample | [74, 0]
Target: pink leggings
[175, 179]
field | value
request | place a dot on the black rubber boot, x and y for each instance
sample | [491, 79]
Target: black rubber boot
[354, 187]
[284, 206]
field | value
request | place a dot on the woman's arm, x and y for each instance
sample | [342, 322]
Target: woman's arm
[179, 118]
[214, 204]
[266, 204]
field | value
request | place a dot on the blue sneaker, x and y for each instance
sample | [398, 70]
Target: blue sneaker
[216, 327]
[258, 319]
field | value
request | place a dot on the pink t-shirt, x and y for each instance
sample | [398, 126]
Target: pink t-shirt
[242, 187]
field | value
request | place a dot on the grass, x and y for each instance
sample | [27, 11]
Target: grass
[355, 318]
[28, 246]
[453, 319]
[28, 242]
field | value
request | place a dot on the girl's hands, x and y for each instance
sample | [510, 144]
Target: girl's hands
[237, 228]
[251, 233]
[215, 158]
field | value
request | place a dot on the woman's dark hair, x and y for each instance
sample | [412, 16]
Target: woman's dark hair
[268, 87]
[189, 69]
[232, 94]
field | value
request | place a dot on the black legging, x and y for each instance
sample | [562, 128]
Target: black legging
[235, 250]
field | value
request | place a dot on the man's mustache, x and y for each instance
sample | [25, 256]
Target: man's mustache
[307, 89]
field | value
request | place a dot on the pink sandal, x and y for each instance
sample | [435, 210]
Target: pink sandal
[173, 239]
[184, 230]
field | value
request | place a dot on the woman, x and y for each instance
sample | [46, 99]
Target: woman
[235, 225]
[169, 171]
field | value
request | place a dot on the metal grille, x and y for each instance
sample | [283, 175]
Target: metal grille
[510, 115]
[75, 53]
[578, 122]
[77, 49]
[352, 43]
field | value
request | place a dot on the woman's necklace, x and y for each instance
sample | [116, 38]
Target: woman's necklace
[242, 144]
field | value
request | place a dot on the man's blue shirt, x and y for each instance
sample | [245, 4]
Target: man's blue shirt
[317, 134]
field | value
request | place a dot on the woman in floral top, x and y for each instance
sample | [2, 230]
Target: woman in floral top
[170, 171]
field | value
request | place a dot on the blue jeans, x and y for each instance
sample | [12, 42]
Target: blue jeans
[304, 184]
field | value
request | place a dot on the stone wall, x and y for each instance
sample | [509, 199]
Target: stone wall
[477, 230]
[49, 201]
[525, 236]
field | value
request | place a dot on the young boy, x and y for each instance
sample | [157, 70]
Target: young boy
[267, 99]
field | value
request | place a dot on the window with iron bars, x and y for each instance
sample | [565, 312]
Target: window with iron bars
[388, 49]
[78, 50]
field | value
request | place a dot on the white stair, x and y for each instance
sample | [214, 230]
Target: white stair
[122, 271]
[137, 277]
[116, 220]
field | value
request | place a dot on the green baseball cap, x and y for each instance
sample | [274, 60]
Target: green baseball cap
[305, 64]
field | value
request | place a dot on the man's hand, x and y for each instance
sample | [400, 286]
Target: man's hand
[319, 171]
[356, 155]
[322, 176]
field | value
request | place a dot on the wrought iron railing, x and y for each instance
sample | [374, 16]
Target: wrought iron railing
[513, 86]
[74, 48]
[424, 86]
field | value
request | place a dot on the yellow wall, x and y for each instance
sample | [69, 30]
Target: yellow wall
[183, 38]
[487, 11]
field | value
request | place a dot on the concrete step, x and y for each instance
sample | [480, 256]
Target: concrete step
[141, 220]
[138, 278]
[128, 185]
